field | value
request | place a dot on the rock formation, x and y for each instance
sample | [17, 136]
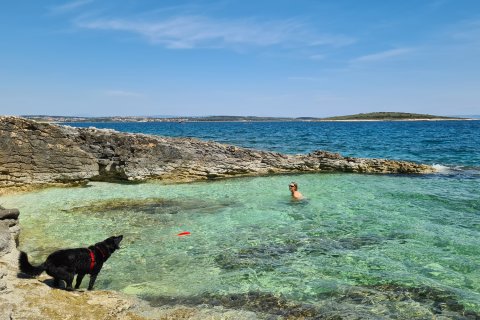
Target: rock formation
[34, 153]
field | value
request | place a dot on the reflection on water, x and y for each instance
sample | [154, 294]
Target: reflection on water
[365, 245]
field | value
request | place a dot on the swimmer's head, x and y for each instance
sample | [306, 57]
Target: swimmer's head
[293, 185]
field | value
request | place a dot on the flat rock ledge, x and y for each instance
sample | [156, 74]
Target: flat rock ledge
[34, 299]
[36, 154]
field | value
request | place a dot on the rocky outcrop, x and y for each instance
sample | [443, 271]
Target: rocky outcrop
[40, 153]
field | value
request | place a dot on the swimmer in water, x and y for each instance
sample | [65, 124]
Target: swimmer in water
[296, 195]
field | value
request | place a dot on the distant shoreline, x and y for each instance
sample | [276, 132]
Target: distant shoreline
[361, 117]
[259, 121]
[246, 121]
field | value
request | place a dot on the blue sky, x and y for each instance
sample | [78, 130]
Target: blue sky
[262, 58]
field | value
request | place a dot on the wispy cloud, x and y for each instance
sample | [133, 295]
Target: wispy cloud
[333, 40]
[435, 4]
[468, 31]
[186, 32]
[384, 55]
[69, 6]
[124, 94]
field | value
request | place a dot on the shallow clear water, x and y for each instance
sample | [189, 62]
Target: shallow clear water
[367, 236]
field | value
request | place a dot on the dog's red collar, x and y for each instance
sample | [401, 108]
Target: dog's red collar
[92, 259]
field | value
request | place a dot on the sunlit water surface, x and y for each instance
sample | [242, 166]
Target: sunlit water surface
[356, 244]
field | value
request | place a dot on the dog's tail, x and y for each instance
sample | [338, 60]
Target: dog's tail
[27, 268]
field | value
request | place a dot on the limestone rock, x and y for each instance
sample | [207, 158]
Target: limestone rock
[5, 238]
[9, 213]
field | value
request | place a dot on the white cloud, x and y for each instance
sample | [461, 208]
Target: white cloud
[384, 55]
[70, 6]
[185, 32]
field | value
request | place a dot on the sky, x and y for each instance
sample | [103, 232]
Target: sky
[296, 58]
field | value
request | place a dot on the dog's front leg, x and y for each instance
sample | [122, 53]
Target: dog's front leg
[79, 280]
[93, 277]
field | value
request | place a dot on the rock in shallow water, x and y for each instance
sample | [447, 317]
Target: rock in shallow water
[9, 213]
[151, 206]
[388, 301]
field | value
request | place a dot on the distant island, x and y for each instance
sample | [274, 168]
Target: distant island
[385, 116]
[372, 116]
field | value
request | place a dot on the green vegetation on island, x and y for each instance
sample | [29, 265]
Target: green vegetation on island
[391, 116]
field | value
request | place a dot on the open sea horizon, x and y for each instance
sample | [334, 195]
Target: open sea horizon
[360, 246]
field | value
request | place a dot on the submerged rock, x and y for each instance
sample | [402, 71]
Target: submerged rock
[389, 301]
[150, 206]
[268, 257]
[43, 154]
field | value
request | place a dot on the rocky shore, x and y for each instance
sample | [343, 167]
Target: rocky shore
[38, 154]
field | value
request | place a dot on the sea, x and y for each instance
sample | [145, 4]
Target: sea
[359, 246]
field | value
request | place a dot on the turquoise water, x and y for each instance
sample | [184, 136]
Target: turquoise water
[372, 246]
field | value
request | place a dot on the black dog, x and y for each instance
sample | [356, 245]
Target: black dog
[64, 264]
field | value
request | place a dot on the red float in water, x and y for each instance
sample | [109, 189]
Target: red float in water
[184, 233]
